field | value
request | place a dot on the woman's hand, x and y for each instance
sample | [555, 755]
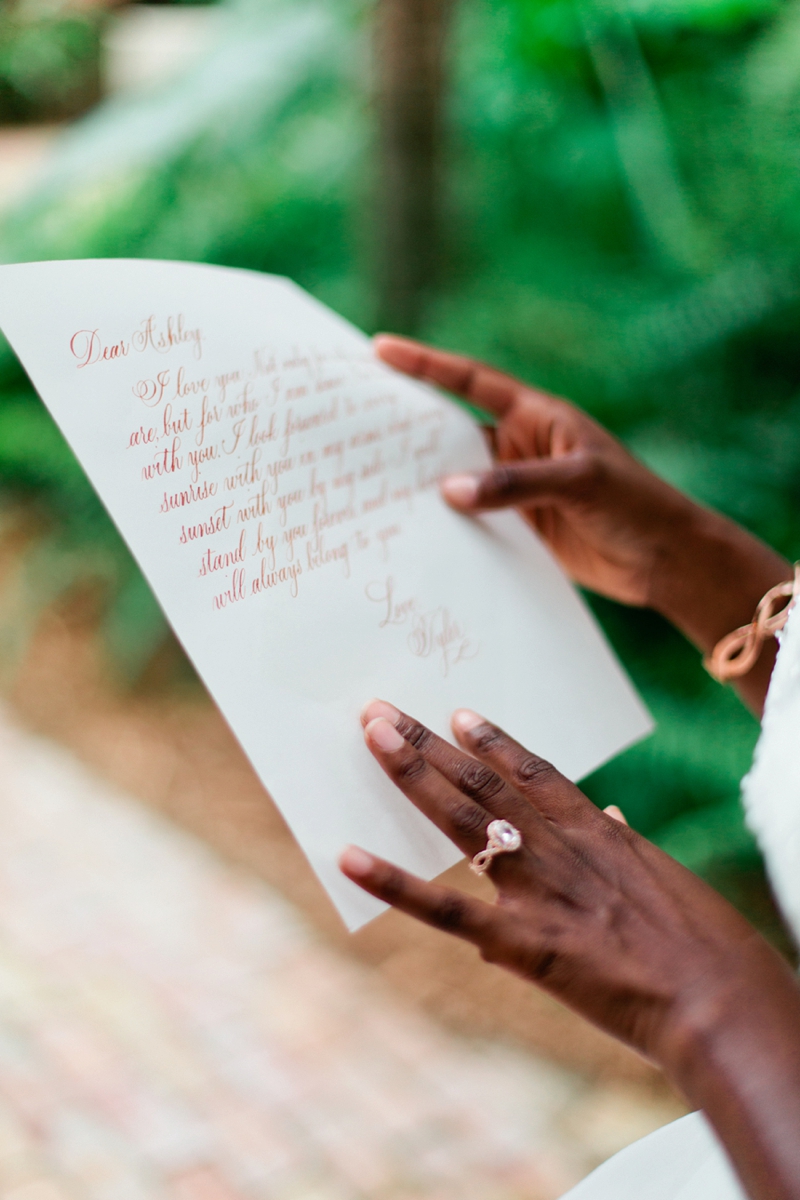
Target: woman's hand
[587, 908]
[606, 517]
[614, 526]
[610, 925]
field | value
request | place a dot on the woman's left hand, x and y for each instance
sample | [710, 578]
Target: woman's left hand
[586, 908]
[612, 926]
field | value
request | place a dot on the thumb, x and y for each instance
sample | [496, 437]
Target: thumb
[534, 481]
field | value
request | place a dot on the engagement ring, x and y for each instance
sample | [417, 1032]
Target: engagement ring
[502, 838]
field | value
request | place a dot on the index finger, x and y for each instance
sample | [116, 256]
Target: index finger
[481, 385]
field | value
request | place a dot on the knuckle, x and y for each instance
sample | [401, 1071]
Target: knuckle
[410, 769]
[589, 470]
[613, 914]
[449, 913]
[467, 819]
[542, 964]
[614, 831]
[418, 736]
[392, 885]
[538, 960]
[534, 771]
[486, 738]
[535, 959]
[532, 403]
[470, 376]
[501, 484]
[479, 781]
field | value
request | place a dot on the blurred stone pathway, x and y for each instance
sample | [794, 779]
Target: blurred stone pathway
[169, 1027]
[23, 150]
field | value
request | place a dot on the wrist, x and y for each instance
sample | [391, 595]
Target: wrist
[734, 1052]
[710, 574]
[707, 579]
[745, 1007]
[698, 1020]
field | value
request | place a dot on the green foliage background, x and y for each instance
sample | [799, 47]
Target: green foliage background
[622, 226]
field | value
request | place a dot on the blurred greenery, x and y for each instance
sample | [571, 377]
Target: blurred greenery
[622, 225]
[49, 62]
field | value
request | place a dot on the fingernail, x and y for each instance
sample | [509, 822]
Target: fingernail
[459, 490]
[465, 719]
[379, 708]
[387, 344]
[615, 813]
[384, 735]
[355, 861]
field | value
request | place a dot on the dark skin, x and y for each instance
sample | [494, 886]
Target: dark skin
[615, 527]
[587, 908]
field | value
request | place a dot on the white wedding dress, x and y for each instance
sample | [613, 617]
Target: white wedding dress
[685, 1160]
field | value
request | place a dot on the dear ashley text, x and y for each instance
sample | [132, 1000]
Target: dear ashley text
[89, 348]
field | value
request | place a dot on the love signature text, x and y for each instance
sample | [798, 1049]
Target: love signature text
[432, 633]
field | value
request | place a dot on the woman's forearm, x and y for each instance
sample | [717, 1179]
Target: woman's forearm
[738, 1058]
[710, 576]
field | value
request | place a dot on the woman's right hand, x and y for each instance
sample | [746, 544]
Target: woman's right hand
[615, 527]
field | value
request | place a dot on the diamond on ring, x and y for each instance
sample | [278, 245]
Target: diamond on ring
[501, 838]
